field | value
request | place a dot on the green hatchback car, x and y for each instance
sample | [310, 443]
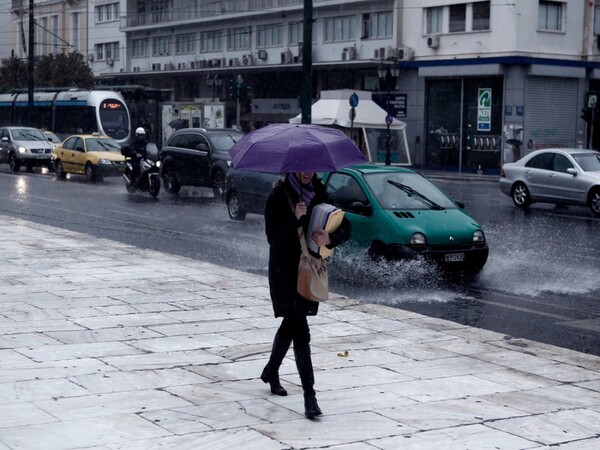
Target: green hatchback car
[396, 213]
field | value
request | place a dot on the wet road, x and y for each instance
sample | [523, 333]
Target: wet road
[541, 281]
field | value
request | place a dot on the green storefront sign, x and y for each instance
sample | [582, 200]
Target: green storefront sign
[484, 109]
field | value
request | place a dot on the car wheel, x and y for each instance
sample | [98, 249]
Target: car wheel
[218, 184]
[14, 163]
[595, 202]
[60, 171]
[520, 196]
[89, 172]
[170, 182]
[235, 208]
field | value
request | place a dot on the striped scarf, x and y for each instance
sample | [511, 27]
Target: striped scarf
[304, 191]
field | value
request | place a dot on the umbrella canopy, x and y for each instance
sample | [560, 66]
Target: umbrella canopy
[287, 148]
[177, 124]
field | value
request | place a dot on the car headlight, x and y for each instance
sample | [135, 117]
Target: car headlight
[478, 238]
[105, 162]
[158, 163]
[418, 241]
[22, 149]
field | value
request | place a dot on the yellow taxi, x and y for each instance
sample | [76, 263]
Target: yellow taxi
[93, 155]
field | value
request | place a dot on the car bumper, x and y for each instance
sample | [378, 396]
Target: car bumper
[35, 159]
[505, 186]
[464, 258]
[111, 171]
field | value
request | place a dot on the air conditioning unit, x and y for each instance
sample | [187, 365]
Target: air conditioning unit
[248, 59]
[182, 66]
[392, 53]
[286, 57]
[90, 57]
[223, 63]
[405, 53]
[233, 62]
[349, 53]
[110, 61]
[137, 69]
[379, 53]
[156, 66]
[433, 41]
[169, 66]
[262, 54]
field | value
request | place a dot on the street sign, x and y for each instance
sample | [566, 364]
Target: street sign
[484, 109]
[389, 119]
[354, 100]
[352, 114]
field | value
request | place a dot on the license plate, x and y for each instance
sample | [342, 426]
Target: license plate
[454, 257]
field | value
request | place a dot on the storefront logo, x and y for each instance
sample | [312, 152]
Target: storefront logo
[484, 109]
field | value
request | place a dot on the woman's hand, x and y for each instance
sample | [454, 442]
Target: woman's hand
[300, 210]
[321, 237]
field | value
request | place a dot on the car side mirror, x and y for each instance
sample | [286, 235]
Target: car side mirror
[203, 147]
[461, 205]
[4, 139]
[572, 171]
[361, 208]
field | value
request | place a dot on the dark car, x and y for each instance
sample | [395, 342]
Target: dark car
[247, 192]
[197, 157]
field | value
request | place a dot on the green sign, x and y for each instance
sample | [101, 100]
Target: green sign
[484, 109]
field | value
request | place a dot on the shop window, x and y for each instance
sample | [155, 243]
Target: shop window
[550, 16]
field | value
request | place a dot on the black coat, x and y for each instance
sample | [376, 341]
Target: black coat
[281, 227]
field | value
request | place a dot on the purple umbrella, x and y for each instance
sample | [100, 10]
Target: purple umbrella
[288, 147]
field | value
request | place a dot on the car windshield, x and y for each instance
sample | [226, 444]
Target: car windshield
[52, 137]
[102, 145]
[24, 134]
[588, 162]
[224, 142]
[406, 190]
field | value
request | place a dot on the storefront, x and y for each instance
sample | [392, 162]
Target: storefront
[463, 119]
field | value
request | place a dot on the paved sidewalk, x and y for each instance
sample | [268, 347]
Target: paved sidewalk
[107, 346]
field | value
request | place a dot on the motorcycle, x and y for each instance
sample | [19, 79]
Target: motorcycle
[149, 178]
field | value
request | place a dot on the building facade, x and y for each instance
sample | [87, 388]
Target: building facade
[478, 82]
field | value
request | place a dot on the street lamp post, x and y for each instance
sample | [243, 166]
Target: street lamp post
[388, 74]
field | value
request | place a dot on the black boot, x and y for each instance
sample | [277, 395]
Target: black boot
[305, 370]
[270, 373]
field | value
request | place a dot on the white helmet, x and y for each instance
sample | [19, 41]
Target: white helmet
[140, 130]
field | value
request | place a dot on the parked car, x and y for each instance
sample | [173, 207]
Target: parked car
[562, 176]
[52, 138]
[197, 157]
[396, 213]
[247, 192]
[92, 155]
[24, 146]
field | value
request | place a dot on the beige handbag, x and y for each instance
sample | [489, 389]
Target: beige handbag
[313, 278]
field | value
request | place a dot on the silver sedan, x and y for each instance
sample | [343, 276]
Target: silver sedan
[554, 175]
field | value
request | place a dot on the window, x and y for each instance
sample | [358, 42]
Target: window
[340, 29]
[238, 38]
[378, 25]
[107, 50]
[54, 34]
[458, 18]
[185, 43]
[481, 16]
[550, 16]
[44, 27]
[543, 161]
[139, 48]
[107, 13]
[75, 31]
[211, 41]
[562, 163]
[435, 18]
[269, 35]
[161, 45]
[296, 33]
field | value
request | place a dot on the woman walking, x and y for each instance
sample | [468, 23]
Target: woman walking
[289, 206]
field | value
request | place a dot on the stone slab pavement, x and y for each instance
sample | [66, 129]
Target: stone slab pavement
[107, 346]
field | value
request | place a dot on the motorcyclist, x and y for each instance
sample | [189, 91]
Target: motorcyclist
[138, 151]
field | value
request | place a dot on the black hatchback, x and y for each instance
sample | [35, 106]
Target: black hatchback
[197, 157]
